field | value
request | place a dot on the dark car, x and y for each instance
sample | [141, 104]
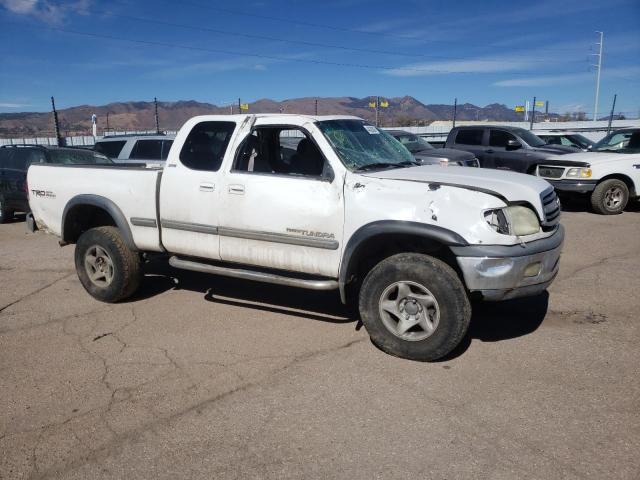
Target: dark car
[14, 163]
[425, 153]
[567, 138]
[508, 148]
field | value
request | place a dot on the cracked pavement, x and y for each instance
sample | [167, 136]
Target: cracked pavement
[205, 377]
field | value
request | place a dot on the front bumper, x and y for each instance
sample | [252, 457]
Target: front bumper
[573, 186]
[503, 272]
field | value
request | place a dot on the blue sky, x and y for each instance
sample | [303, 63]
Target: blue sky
[216, 51]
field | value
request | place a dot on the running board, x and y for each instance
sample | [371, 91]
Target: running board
[320, 284]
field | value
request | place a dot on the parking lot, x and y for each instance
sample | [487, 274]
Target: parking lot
[206, 377]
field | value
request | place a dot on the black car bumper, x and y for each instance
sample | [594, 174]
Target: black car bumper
[573, 186]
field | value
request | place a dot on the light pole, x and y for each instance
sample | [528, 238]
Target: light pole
[599, 67]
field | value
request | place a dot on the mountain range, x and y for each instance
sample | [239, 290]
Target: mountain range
[136, 116]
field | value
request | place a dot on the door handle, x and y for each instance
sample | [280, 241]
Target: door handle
[207, 187]
[236, 189]
[488, 151]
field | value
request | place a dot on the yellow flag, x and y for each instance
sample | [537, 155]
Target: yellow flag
[519, 108]
[384, 104]
[244, 106]
[372, 104]
[539, 104]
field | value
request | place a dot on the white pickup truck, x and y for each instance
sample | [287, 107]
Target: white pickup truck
[313, 202]
[609, 173]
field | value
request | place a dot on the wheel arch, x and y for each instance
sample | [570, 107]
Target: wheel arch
[633, 192]
[377, 240]
[86, 211]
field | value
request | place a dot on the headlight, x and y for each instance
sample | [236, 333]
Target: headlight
[579, 172]
[514, 220]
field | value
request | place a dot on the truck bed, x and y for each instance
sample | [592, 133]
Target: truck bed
[133, 190]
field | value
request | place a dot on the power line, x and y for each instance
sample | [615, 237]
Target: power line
[313, 44]
[246, 54]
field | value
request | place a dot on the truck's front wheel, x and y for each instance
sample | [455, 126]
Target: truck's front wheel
[108, 269]
[414, 306]
[610, 197]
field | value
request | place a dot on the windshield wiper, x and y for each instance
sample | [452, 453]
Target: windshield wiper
[381, 165]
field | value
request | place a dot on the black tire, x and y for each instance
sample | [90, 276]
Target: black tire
[5, 213]
[125, 270]
[425, 273]
[610, 197]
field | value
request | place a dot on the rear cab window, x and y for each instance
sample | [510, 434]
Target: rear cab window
[110, 148]
[470, 136]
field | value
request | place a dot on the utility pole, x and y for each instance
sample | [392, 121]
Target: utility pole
[546, 110]
[316, 106]
[155, 102]
[239, 105]
[533, 113]
[59, 139]
[107, 122]
[377, 106]
[599, 67]
[455, 111]
[613, 107]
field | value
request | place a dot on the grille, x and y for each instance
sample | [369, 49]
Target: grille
[550, 172]
[550, 206]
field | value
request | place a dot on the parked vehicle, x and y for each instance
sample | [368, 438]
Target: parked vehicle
[150, 149]
[349, 210]
[14, 162]
[609, 174]
[508, 148]
[424, 153]
[568, 139]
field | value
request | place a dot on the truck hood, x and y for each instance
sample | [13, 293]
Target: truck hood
[596, 158]
[509, 186]
[448, 153]
[555, 149]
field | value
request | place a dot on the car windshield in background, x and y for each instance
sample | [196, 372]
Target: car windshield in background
[78, 157]
[580, 140]
[531, 139]
[619, 142]
[413, 143]
[361, 146]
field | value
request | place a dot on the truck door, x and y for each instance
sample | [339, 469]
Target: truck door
[282, 206]
[190, 190]
[503, 157]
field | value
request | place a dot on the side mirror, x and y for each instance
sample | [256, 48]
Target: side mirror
[513, 144]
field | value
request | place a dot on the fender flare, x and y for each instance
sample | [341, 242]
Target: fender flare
[385, 227]
[104, 203]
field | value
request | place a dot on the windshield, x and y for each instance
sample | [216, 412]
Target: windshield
[531, 139]
[413, 142]
[78, 157]
[580, 140]
[619, 142]
[360, 145]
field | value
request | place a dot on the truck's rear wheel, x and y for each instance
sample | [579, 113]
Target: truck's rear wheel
[108, 269]
[414, 306]
[610, 197]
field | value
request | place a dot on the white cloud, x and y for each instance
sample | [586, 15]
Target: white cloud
[569, 78]
[13, 105]
[474, 65]
[46, 11]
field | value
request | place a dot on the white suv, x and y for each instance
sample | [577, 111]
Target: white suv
[135, 148]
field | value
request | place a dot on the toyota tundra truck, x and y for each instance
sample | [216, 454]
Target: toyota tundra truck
[315, 202]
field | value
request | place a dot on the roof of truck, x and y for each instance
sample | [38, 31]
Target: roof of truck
[313, 118]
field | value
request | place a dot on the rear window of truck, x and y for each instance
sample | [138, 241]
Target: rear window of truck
[470, 136]
[110, 149]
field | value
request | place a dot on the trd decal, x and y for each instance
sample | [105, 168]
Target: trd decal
[43, 193]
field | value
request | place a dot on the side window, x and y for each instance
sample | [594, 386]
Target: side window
[166, 146]
[472, 136]
[110, 148]
[499, 138]
[553, 139]
[206, 145]
[149, 149]
[280, 151]
[6, 155]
